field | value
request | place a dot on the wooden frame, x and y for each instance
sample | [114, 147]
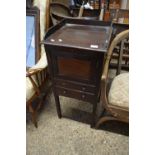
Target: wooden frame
[111, 112]
[34, 12]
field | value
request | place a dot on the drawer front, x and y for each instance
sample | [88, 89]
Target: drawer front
[75, 86]
[89, 97]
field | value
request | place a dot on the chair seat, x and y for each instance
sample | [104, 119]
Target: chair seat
[119, 91]
[42, 63]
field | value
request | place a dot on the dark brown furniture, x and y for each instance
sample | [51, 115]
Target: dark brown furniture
[115, 94]
[75, 50]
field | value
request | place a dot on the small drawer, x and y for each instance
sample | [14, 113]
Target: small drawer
[75, 86]
[89, 97]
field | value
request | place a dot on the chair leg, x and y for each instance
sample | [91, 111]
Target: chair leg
[94, 115]
[104, 119]
[34, 119]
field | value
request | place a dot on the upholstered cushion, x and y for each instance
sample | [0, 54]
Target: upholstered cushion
[119, 91]
[29, 89]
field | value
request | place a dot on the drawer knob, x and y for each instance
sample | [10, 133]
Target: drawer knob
[63, 83]
[64, 91]
[83, 96]
[83, 88]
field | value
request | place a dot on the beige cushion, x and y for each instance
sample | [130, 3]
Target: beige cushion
[29, 89]
[42, 63]
[119, 91]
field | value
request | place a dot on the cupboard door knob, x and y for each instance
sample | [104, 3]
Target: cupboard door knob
[64, 91]
[83, 96]
[63, 83]
[83, 88]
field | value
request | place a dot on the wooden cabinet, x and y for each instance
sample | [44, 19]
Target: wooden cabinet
[75, 50]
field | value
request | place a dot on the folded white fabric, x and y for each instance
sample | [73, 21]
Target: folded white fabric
[88, 6]
[29, 89]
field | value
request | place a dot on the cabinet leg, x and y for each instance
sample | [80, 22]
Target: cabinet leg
[57, 101]
[94, 115]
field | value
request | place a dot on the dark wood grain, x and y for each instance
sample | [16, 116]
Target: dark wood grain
[75, 67]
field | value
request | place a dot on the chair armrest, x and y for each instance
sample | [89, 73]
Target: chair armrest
[116, 40]
[106, 68]
[41, 64]
[33, 72]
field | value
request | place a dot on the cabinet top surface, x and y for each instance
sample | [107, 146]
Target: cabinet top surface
[90, 37]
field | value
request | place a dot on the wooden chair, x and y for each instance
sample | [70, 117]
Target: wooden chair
[114, 62]
[59, 11]
[37, 75]
[115, 97]
[120, 57]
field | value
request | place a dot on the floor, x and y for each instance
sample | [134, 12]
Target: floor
[72, 134]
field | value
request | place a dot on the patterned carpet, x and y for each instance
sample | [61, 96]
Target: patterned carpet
[72, 134]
